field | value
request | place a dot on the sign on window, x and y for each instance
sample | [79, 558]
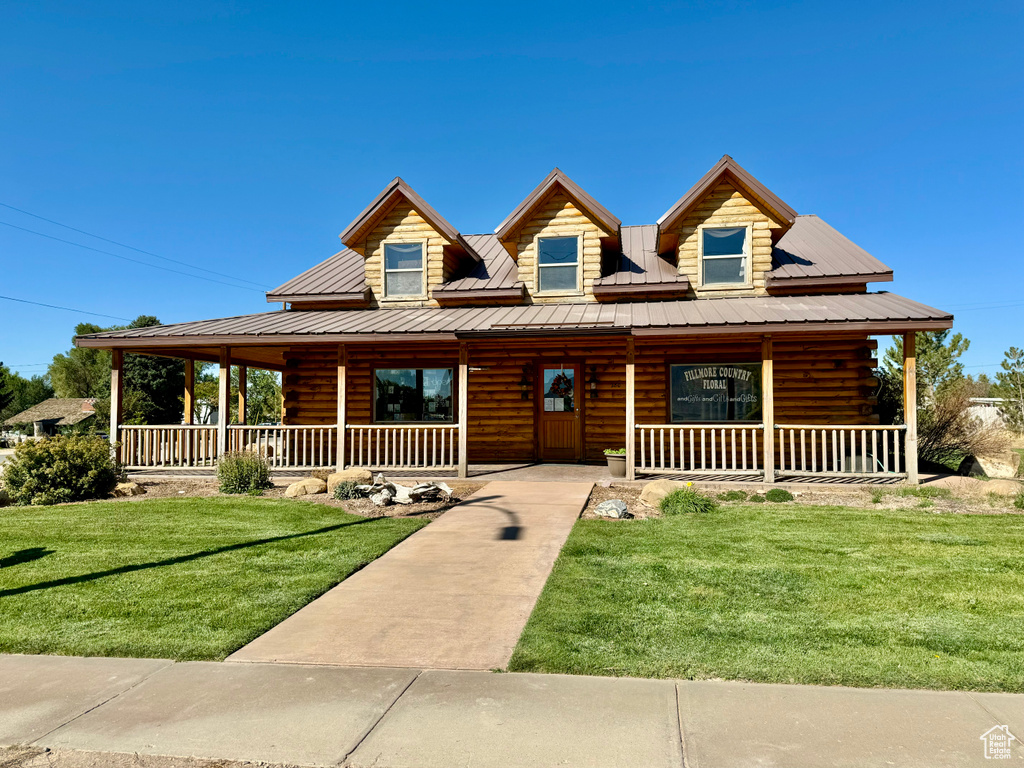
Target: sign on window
[715, 392]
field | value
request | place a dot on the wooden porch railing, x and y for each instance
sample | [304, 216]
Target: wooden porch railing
[401, 446]
[710, 449]
[288, 447]
[143, 447]
[842, 451]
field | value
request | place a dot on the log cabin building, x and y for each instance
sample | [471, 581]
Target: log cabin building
[734, 337]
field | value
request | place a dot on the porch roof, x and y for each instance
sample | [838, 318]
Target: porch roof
[869, 312]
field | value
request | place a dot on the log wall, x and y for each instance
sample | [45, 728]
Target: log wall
[827, 381]
[403, 224]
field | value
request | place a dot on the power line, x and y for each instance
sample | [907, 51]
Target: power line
[129, 247]
[127, 258]
[66, 309]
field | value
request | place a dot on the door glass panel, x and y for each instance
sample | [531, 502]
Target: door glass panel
[559, 389]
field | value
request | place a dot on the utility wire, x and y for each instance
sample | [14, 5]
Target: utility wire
[66, 309]
[127, 258]
[129, 247]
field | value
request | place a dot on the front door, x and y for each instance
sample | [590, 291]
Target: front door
[558, 407]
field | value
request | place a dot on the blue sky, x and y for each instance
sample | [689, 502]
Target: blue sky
[242, 138]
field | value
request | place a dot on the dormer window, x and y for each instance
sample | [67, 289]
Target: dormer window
[403, 270]
[725, 256]
[558, 265]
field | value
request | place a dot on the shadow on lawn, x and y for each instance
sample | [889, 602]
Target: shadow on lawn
[169, 561]
[25, 556]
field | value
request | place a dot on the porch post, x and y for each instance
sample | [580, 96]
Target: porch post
[243, 392]
[116, 393]
[342, 362]
[768, 407]
[463, 409]
[223, 400]
[190, 393]
[630, 409]
[910, 405]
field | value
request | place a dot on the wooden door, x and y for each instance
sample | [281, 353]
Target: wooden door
[558, 412]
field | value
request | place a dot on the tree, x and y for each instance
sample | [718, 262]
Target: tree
[24, 392]
[1010, 386]
[82, 372]
[6, 391]
[938, 366]
[263, 390]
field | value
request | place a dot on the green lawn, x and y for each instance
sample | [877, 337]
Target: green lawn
[789, 593]
[174, 578]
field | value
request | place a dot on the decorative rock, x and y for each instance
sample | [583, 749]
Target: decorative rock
[655, 491]
[306, 487]
[1003, 465]
[613, 508]
[357, 476]
[1003, 487]
[127, 489]
[382, 498]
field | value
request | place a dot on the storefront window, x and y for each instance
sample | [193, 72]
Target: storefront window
[413, 394]
[715, 392]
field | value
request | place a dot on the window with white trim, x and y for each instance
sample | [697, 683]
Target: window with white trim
[558, 263]
[403, 269]
[725, 255]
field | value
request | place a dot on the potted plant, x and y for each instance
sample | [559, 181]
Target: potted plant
[616, 461]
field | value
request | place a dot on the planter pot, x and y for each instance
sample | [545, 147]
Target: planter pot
[616, 464]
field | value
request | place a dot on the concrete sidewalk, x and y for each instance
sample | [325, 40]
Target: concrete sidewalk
[454, 595]
[406, 718]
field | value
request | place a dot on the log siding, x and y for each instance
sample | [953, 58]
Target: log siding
[403, 224]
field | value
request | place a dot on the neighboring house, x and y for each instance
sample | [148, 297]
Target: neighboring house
[731, 337]
[988, 410]
[48, 416]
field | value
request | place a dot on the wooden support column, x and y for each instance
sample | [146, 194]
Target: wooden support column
[768, 407]
[223, 400]
[910, 405]
[116, 394]
[463, 409]
[190, 393]
[630, 409]
[243, 392]
[342, 362]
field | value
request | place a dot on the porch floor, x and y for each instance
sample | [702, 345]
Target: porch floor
[553, 473]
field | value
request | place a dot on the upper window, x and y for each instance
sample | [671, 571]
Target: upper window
[403, 269]
[724, 256]
[413, 394]
[558, 263]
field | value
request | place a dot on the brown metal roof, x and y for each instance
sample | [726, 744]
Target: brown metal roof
[871, 312]
[813, 250]
[726, 167]
[342, 275]
[574, 190]
[496, 270]
[640, 265]
[383, 202]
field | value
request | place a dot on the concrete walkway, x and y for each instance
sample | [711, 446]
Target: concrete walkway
[401, 718]
[455, 595]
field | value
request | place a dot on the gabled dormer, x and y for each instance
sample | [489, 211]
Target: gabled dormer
[722, 231]
[408, 248]
[558, 237]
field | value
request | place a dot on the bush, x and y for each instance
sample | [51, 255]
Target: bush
[756, 498]
[614, 451]
[778, 495]
[686, 500]
[1019, 501]
[947, 431]
[61, 469]
[733, 496]
[243, 472]
[346, 490]
[877, 494]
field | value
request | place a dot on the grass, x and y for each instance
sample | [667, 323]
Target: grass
[172, 578]
[800, 594]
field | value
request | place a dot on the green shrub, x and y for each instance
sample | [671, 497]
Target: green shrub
[756, 498]
[686, 500]
[243, 472]
[778, 495]
[877, 494]
[614, 451]
[1018, 502]
[60, 469]
[733, 496]
[346, 490]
